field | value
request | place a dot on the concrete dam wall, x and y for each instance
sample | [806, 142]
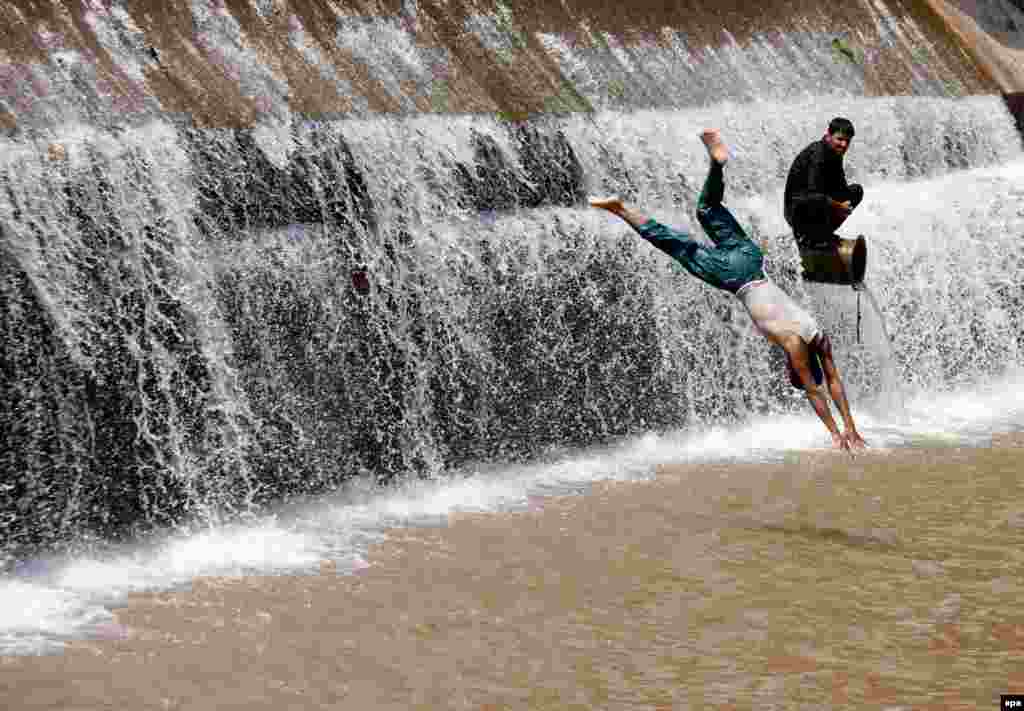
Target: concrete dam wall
[237, 63]
[249, 250]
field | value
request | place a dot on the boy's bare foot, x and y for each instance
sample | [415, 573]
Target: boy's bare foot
[57, 151]
[613, 203]
[717, 150]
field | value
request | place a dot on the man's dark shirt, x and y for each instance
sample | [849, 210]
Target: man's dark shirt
[816, 176]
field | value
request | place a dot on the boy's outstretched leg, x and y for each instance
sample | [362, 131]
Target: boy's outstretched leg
[695, 257]
[716, 220]
[717, 150]
[614, 205]
[713, 192]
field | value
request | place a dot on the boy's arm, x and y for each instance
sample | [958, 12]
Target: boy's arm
[838, 392]
[799, 357]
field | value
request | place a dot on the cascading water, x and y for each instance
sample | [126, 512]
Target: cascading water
[184, 334]
[203, 322]
[118, 399]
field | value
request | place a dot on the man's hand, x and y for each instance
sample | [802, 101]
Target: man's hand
[843, 206]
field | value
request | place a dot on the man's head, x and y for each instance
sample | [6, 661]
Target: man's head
[839, 135]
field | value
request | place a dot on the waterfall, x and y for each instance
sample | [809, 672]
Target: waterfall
[201, 321]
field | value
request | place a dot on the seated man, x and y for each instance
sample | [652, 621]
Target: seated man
[734, 264]
[817, 199]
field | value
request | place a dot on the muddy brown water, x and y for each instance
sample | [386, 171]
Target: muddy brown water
[892, 580]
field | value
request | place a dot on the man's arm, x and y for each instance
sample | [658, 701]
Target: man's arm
[823, 347]
[799, 358]
[814, 187]
[843, 186]
[809, 186]
[841, 208]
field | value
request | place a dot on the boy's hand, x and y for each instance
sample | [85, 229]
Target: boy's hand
[839, 441]
[854, 439]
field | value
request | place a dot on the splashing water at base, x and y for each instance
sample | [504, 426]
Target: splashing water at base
[49, 601]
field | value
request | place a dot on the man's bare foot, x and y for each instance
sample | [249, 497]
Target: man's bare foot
[717, 149]
[612, 203]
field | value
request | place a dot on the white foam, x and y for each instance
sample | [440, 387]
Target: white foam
[34, 618]
[57, 601]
